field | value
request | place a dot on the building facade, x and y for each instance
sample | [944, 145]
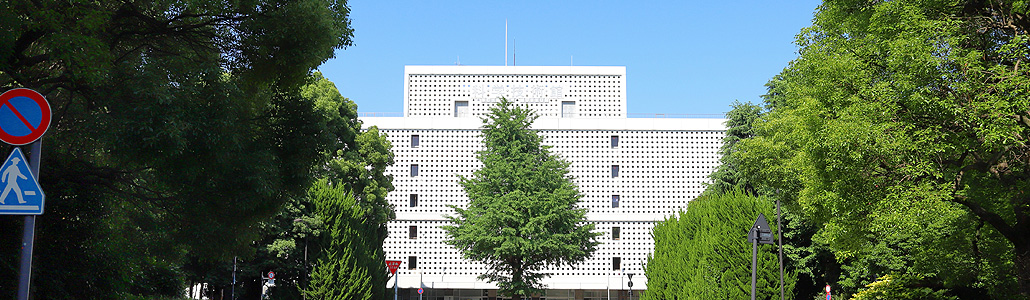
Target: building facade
[631, 172]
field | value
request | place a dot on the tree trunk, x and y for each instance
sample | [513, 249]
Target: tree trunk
[1023, 268]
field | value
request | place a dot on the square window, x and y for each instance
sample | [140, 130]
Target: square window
[616, 263]
[461, 109]
[414, 140]
[615, 201]
[414, 170]
[412, 262]
[615, 233]
[568, 109]
[413, 232]
[615, 170]
[413, 198]
[615, 141]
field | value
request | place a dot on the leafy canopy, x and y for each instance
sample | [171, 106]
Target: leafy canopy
[904, 129]
[178, 125]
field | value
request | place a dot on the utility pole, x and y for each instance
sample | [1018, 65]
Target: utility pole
[779, 238]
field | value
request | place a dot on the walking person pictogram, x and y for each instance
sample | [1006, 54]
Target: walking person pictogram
[10, 176]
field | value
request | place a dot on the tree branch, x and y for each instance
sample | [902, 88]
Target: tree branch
[993, 219]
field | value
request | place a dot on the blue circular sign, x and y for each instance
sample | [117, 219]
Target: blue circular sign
[24, 116]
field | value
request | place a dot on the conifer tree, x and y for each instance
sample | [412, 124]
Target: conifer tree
[703, 252]
[522, 216]
[351, 264]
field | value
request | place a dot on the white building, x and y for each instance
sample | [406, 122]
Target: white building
[632, 172]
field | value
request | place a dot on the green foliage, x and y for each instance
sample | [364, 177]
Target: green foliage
[351, 266]
[178, 126]
[739, 126]
[903, 130]
[703, 252]
[901, 287]
[291, 241]
[523, 215]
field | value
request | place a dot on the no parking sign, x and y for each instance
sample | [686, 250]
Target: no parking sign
[24, 116]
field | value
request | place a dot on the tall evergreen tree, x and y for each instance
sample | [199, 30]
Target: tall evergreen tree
[738, 127]
[523, 214]
[703, 253]
[351, 265]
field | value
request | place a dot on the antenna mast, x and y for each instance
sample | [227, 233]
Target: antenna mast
[506, 42]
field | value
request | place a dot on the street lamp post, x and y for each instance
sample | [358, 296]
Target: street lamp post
[759, 233]
[630, 275]
[608, 285]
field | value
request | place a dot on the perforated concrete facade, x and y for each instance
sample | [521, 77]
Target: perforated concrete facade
[632, 172]
[440, 91]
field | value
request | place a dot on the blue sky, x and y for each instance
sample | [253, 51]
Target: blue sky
[681, 57]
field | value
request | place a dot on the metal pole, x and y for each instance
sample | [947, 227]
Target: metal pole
[29, 230]
[395, 275]
[779, 238]
[233, 296]
[25, 270]
[754, 268]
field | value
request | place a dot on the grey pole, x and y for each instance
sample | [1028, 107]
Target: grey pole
[29, 230]
[779, 238]
[395, 275]
[233, 296]
[754, 268]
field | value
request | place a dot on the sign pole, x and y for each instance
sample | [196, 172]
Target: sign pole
[754, 268]
[779, 238]
[29, 230]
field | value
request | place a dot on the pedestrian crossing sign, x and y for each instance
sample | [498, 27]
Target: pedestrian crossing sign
[21, 192]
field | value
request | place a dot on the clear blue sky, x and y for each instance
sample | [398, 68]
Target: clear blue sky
[683, 57]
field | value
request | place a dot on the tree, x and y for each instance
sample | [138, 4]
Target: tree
[357, 166]
[809, 261]
[351, 265]
[703, 253]
[523, 213]
[291, 241]
[903, 128]
[901, 287]
[738, 127]
[178, 125]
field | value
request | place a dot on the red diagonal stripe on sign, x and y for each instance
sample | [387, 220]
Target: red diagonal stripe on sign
[20, 117]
